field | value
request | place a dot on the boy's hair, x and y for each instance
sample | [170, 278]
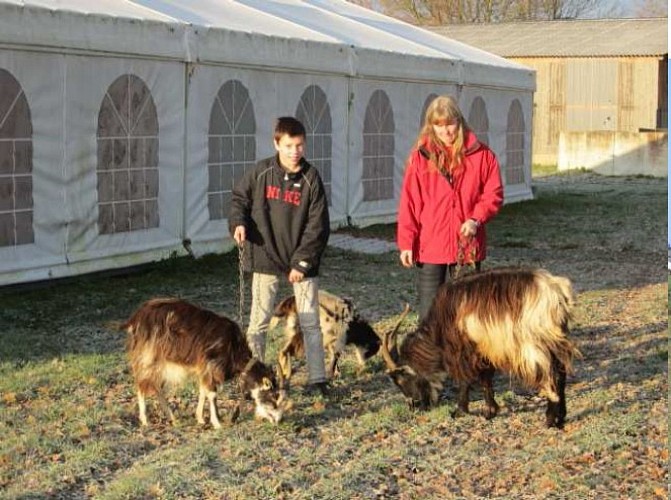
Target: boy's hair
[288, 125]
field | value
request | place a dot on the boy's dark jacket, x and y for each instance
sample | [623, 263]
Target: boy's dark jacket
[285, 216]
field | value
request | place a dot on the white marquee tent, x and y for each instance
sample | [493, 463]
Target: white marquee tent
[124, 124]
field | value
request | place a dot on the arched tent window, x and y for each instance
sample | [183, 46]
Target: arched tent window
[514, 171]
[314, 112]
[127, 158]
[378, 149]
[428, 101]
[478, 120]
[16, 164]
[232, 145]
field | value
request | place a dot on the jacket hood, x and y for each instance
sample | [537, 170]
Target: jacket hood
[472, 144]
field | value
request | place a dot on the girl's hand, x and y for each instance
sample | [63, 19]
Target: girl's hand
[469, 228]
[406, 258]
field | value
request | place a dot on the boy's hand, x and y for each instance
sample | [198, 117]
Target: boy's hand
[295, 276]
[240, 234]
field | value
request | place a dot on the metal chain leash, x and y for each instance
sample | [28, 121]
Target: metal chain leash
[465, 256]
[241, 286]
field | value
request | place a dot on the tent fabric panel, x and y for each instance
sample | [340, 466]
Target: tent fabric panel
[371, 64]
[339, 28]
[413, 34]
[40, 78]
[498, 103]
[272, 95]
[88, 80]
[261, 51]
[291, 35]
[99, 7]
[500, 78]
[106, 31]
[406, 102]
[232, 15]
[290, 88]
[204, 86]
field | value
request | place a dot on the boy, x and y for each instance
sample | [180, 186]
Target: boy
[279, 210]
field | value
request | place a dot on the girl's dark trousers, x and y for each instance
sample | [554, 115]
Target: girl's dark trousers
[430, 277]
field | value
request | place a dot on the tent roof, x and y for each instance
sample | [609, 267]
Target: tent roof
[309, 35]
[566, 38]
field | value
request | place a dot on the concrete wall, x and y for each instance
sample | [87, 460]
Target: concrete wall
[615, 153]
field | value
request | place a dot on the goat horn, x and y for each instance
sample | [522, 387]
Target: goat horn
[280, 378]
[405, 312]
[386, 354]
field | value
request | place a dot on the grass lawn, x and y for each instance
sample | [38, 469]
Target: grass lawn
[68, 414]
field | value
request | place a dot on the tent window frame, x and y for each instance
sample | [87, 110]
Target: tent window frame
[16, 164]
[231, 145]
[515, 144]
[128, 163]
[378, 149]
[478, 119]
[314, 112]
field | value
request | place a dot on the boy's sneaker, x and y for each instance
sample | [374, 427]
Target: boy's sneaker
[318, 388]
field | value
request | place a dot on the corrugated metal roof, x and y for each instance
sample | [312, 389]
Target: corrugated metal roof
[574, 38]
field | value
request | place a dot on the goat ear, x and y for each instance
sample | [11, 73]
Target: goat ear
[266, 384]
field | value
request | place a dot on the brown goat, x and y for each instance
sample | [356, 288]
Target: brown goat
[510, 319]
[340, 324]
[170, 339]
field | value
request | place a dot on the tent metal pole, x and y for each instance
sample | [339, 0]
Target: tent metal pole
[348, 166]
[189, 68]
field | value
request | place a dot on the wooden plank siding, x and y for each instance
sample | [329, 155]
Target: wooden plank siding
[592, 94]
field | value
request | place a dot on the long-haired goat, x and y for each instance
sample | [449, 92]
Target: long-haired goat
[169, 339]
[509, 319]
[340, 324]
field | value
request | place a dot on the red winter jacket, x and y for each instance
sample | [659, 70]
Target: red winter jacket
[431, 210]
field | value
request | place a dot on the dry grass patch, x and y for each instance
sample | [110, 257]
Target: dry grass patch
[68, 416]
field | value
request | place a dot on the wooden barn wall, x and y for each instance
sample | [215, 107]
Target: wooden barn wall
[591, 94]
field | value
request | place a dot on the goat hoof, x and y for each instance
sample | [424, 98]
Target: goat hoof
[558, 424]
[458, 412]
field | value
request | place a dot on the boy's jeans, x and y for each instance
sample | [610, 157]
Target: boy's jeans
[264, 292]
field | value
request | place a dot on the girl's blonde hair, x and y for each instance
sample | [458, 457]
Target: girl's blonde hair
[443, 109]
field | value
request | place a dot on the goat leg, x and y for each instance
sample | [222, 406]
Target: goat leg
[486, 377]
[334, 371]
[235, 414]
[201, 405]
[284, 359]
[462, 400]
[142, 406]
[214, 418]
[555, 415]
[163, 403]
